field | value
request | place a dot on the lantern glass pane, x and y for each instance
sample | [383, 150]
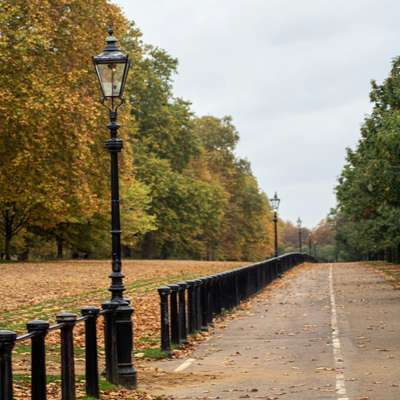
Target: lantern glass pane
[111, 78]
[275, 203]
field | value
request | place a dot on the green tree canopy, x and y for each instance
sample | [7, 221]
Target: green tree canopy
[368, 190]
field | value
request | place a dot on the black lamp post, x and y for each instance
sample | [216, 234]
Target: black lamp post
[275, 201]
[299, 222]
[112, 69]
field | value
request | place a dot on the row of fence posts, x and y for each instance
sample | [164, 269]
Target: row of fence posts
[191, 306]
[186, 308]
[37, 332]
[115, 361]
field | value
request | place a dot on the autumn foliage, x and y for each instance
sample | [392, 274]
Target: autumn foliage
[185, 193]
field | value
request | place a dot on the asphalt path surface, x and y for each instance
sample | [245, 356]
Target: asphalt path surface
[324, 331]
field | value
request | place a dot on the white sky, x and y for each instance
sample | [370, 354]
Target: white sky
[294, 75]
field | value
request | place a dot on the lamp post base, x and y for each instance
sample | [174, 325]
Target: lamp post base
[124, 328]
[118, 329]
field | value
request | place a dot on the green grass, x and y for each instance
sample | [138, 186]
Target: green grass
[395, 275]
[155, 354]
[106, 386]
[22, 378]
[392, 271]
[22, 348]
[149, 340]
[26, 378]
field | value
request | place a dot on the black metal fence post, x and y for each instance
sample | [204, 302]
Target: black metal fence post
[164, 292]
[198, 304]
[124, 331]
[263, 275]
[228, 289]
[232, 285]
[275, 268]
[222, 292]
[38, 358]
[248, 282]
[91, 363]
[191, 307]
[236, 288]
[182, 312]
[255, 279]
[67, 355]
[258, 275]
[213, 293]
[7, 343]
[204, 304]
[217, 297]
[282, 261]
[110, 341]
[175, 331]
[210, 282]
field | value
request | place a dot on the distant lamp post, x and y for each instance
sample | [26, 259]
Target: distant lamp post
[309, 244]
[111, 68]
[275, 201]
[299, 222]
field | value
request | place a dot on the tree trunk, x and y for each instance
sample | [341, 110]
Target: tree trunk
[210, 251]
[127, 250]
[7, 246]
[147, 246]
[7, 239]
[60, 247]
[24, 256]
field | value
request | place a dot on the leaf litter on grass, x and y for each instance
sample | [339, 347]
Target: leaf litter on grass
[41, 290]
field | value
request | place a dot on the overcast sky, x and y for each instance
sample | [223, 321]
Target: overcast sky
[294, 75]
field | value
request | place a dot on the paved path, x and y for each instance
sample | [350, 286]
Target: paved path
[327, 331]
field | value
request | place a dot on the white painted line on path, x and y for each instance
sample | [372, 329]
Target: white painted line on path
[185, 365]
[337, 348]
